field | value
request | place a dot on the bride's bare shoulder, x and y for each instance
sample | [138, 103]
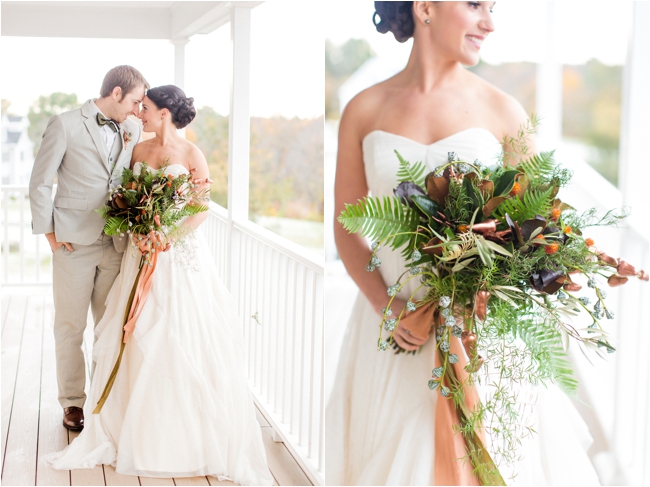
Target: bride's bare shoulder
[363, 109]
[508, 114]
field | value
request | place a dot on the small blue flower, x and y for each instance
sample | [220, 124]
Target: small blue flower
[457, 331]
[410, 306]
[451, 156]
[376, 261]
[592, 282]
[437, 372]
[375, 246]
[415, 270]
[390, 323]
[603, 293]
[444, 346]
[424, 279]
[445, 301]
[585, 300]
[609, 314]
[561, 295]
[382, 345]
[439, 331]
[392, 290]
[370, 268]
[433, 384]
[416, 255]
[450, 321]
[597, 307]
[453, 358]
[444, 391]
[446, 312]
[386, 311]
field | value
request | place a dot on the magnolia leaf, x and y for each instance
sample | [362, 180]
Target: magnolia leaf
[505, 182]
[491, 205]
[426, 205]
[437, 188]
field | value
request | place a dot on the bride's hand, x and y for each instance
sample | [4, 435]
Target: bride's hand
[409, 333]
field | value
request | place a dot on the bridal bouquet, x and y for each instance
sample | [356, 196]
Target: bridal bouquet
[152, 204]
[150, 207]
[494, 254]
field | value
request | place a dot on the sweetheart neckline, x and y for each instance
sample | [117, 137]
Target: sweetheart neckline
[433, 143]
[170, 165]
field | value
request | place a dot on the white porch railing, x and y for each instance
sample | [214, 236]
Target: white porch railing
[278, 292]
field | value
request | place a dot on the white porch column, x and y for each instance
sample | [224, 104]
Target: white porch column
[549, 89]
[239, 129]
[631, 423]
[179, 61]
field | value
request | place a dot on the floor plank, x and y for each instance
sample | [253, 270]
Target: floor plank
[191, 481]
[283, 466]
[216, 481]
[12, 335]
[114, 478]
[22, 437]
[155, 481]
[52, 436]
[6, 300]
[90, 476]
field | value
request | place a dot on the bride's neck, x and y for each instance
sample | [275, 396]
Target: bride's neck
[165, 135]
[428, 70]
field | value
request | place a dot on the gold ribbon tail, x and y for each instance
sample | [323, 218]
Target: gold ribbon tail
[111, 379]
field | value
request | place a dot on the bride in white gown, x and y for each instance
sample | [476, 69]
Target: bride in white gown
[380, 418]
[180, 405]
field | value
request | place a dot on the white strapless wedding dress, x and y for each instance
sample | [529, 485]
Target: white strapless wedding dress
[180, 406]
[380, 417]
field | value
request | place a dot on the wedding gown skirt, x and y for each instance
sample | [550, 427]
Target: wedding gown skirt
[180, 405]
[380, 417]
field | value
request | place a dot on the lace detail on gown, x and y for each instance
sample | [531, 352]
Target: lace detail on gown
[380, 417]
[180, 406]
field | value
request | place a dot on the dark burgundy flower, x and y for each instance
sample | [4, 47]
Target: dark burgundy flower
[407, 189]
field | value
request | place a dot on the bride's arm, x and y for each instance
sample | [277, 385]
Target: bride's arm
[515, 119]
[199, 165]
[349, 187]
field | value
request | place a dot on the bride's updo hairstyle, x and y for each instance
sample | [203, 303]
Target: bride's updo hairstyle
[173, 99]
[395, 17]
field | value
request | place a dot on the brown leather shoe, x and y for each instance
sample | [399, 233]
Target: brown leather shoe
[73, 418]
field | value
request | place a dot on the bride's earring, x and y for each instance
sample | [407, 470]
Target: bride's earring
[427, 21]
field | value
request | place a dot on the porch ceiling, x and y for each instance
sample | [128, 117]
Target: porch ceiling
[115, 20]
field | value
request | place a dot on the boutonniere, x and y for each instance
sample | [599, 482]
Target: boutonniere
[127, 138]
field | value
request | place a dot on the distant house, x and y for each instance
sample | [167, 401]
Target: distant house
[17, 151]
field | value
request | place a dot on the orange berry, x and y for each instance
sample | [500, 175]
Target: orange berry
[589, 242]
[515, 189]
[555, 213]
[540, 236]
[169, 184]
[551, 248]
[462, 228]
[567, 230]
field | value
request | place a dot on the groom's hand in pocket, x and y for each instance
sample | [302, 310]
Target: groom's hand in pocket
[54, 245]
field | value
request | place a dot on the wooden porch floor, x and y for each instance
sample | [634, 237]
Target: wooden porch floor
[31, 415]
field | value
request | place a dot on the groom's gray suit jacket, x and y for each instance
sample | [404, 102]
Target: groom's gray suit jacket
[73, 150]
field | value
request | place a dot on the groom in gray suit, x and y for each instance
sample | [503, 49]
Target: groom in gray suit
[86, 149]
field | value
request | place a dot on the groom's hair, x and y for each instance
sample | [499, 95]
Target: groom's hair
[126, 77]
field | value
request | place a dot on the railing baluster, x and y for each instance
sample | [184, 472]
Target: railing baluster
[5, 242]
[21, 239]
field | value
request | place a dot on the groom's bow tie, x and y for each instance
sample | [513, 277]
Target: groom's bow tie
[102, 120]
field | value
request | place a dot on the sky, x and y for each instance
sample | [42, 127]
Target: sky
[584, 29]
[287, 69]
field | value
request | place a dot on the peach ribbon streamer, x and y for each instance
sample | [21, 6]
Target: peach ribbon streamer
[449, 445]
[140, 297]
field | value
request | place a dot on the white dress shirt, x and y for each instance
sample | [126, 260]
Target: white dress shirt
[108, 136]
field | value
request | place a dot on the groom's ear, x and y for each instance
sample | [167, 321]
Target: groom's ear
[116, 94]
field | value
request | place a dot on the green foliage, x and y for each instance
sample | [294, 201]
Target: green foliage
[380, 218]
[538, 166]
[535, 202]
[407, 172]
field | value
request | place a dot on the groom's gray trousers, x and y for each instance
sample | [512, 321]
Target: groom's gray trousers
[81, 278]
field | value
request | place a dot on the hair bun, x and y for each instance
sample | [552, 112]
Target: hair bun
[395, 17]
[173, 99]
